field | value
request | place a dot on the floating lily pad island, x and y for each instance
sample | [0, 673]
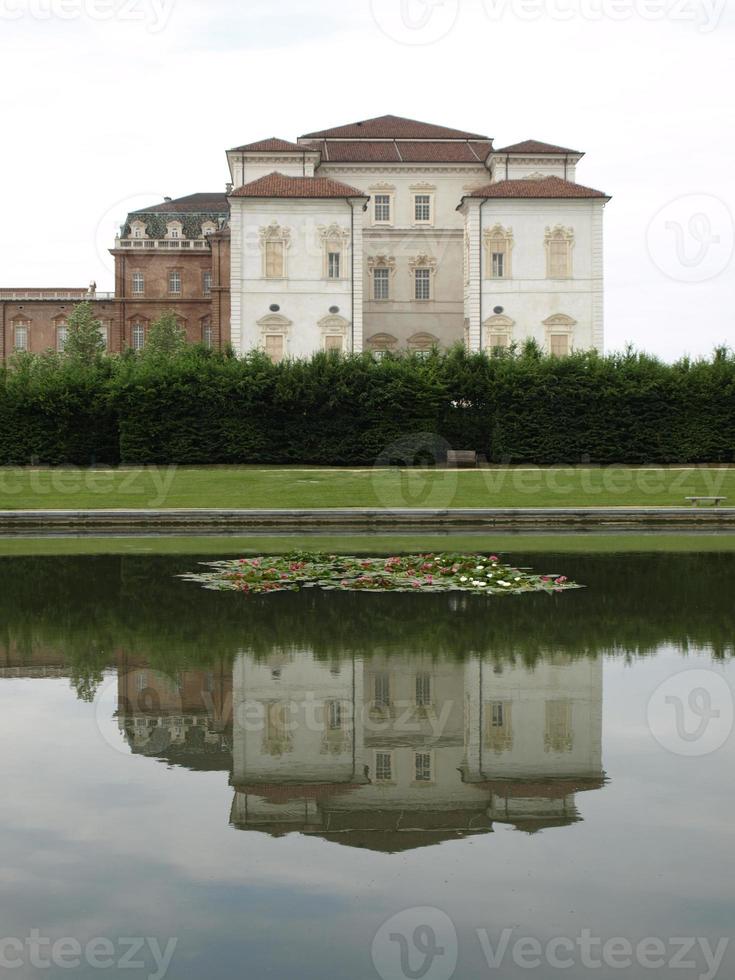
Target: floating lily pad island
[481, 574]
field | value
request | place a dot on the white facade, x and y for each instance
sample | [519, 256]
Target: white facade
[419, 268]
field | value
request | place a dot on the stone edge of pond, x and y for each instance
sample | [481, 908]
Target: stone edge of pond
[371, 519]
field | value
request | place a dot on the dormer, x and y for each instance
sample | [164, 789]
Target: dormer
[533, 159]
[137, 229]
[174, 230]
[254, 160]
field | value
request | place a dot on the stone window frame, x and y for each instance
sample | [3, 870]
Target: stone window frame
[174, 230]
[138, 229]
[135, 322]
[422, 342]
[175, 271]
[560, 324]
[275, 325]
[207, 281]
[383, 190]
[133, 276]
[498, 325]
[335, 239]
[21, 322]
[334, 325]
[423, 263]
[61, 332]
[423, 190]
[275, 234]
[381, 262]
[381, 343]
[498, 240]
[415, 781]
[378, 776]
[206, 328]
[557, 235]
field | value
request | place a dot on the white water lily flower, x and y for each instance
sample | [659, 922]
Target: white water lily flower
[480, 568]
[463, 579]
[505, 584]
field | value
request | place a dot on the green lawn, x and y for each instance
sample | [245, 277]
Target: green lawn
[243, 487]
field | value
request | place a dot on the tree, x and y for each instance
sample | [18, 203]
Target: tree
[165, 335]
[84, 340]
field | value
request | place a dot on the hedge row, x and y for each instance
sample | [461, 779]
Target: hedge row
[199, 407]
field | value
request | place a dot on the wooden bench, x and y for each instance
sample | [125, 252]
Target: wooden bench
[709, 501]
[462, 459]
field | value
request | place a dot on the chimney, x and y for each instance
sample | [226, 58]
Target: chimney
[167, 200]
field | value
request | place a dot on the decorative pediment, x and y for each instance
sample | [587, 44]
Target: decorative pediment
[334, 233]
[499, 323]
[560, 323]
[382, 187]
[381, 341]
[275, 233]
[334, 324]
[423, 187]
[537, 175]
[559, 234]
[275, 323]
[498, 232]
[382, 262]
[423, 341]
[422, 261]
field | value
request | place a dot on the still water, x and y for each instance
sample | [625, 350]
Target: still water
[329, 785]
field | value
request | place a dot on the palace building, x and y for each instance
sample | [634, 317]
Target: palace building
[387, 234]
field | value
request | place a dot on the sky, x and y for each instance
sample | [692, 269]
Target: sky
[109, 105]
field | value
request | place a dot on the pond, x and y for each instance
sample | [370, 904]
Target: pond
[347, 785]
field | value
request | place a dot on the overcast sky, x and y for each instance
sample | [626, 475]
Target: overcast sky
[107, 105]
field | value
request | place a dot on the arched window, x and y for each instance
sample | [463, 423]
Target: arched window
[379, 343]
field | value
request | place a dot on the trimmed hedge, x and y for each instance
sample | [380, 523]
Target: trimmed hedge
[201, 407]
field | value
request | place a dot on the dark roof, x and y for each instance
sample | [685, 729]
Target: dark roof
[279, 185]
[393, 127]
[193, 203]
[410, 151]
[272, 145]
[541, 187]
[535, 146]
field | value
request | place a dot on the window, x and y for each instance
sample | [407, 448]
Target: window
[21, 335]
[559, 735]
[422, 208]
[498, 246]
[334, 342]
[423, 690]
[559, 344]
[422, 762]
[422, 283]
[105, 335]
[174, 282]
[274, 260]
[207, 334]
[379, 343]
[274, 345]
[334, 715]
[174, 229]
[207, 282]
[382, 689]
[382, 208]
[497, 717]
[498, 341]
[559, 244]
[383, 767]
[334, 262]
[62, 332]
[498, 727]
[138, 335]
[381, 283]
[138, 284]
[142, 681]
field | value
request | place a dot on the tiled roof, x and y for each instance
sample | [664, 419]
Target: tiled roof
[367, 151]
[535, 146]
[393, 127]
[548, 187]
[191, 203]
[272, 145]
[278, 185]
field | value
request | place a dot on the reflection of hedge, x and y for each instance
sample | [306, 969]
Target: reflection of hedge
[201, 407]
[88, 610]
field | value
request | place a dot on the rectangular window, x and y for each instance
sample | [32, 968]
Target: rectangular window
[498, 265]
[498, 341]
[274, 256]
[207, 336]
[21, 336]
[383, 767]
[62, 332]
[559, 344]
[382, 208]
[207, 283]
[274, 347]
[138, 284]
[333, 342]
[422, 208]
[174, 283]
[105, 335]
[381, 283]
[423, 283]
[334, 265]
[423, 690]
[422, 762]
[382, 690]
[138, 336]
[559, 264]
[498, 714]
[334, 715]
